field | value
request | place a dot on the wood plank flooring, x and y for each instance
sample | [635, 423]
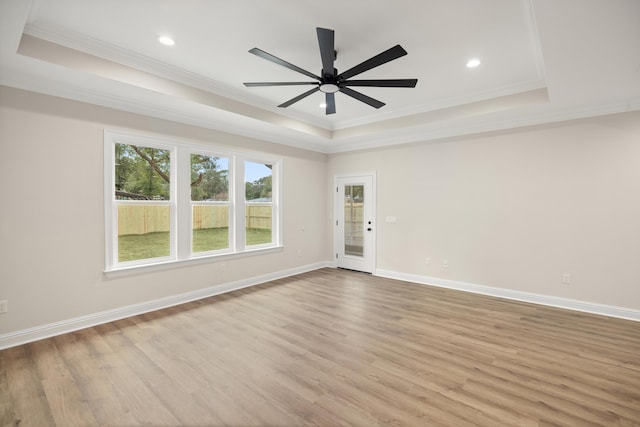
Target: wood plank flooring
[332, 348]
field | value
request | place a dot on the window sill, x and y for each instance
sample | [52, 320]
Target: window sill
[166, 265]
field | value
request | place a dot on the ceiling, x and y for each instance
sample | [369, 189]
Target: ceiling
[541, 61]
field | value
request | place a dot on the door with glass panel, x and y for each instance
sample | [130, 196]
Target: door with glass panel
[355, 222]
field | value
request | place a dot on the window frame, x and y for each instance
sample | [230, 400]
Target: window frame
[229, 203]
[272, 203]
[181, 205]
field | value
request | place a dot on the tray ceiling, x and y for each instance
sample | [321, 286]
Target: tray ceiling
[541, 61]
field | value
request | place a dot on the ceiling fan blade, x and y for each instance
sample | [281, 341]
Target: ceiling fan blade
[326, 41]
[382, 58]
[362, 97]
[331, 103]
[382, 83]
[279, 84]
[262, 54]
[299, 97]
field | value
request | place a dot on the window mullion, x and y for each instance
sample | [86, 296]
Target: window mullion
[111, 232]
[276, 208]
[232, 206]
[239, 204]
[184, 215]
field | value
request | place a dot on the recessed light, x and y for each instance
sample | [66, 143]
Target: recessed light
[473, 63]
[166, 40]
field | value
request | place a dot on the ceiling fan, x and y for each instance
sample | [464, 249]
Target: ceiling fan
[329, 81]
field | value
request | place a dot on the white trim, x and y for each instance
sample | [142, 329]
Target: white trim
[288, 137]
[213, 119]
[98, 48]
[534, 38]
[24, 336]
[566, 303]
[478, 125]
[117, 55]
[197, 259]
[449, 102]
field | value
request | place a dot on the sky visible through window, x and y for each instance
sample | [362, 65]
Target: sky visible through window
[255, 171]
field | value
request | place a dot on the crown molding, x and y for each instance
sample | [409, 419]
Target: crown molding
[206, 120]
[534, 36]
[450, 102]
[334, 141]
[274, 134]
[128, 58]
[479, 125]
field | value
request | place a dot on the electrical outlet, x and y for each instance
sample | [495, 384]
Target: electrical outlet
[566, 279]
[445, 263]
[4, 306]
[427, 260]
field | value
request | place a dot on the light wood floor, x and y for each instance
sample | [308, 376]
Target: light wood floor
[331, 348]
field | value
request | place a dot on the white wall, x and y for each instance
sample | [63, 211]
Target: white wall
[515, 210]
[51, 212]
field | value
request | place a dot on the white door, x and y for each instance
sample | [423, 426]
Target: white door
[355, 222]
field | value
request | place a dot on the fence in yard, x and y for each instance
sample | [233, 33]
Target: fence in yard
[218, 216]
[258, 217]
[142, 219]
[137, 219]
[353, 221]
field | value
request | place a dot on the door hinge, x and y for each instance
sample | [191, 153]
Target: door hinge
[336, 256]
[336, 189]
[336, 222]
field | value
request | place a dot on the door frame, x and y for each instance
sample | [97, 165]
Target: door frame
[372, 216]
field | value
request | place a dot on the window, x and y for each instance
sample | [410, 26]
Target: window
[258, 203]
[143, 202]
[209, 203]
[169, 201]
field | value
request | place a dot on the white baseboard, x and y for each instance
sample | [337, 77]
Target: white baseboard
[570, 304]
[24, 336]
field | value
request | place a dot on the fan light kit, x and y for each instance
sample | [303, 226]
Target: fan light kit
[329, 81]
[329, 88]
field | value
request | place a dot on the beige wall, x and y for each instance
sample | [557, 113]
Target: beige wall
[516, 209]
[510, 210]
[51, 212]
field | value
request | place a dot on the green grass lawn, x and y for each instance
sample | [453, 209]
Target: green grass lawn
[153, 245]
[210, 239]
